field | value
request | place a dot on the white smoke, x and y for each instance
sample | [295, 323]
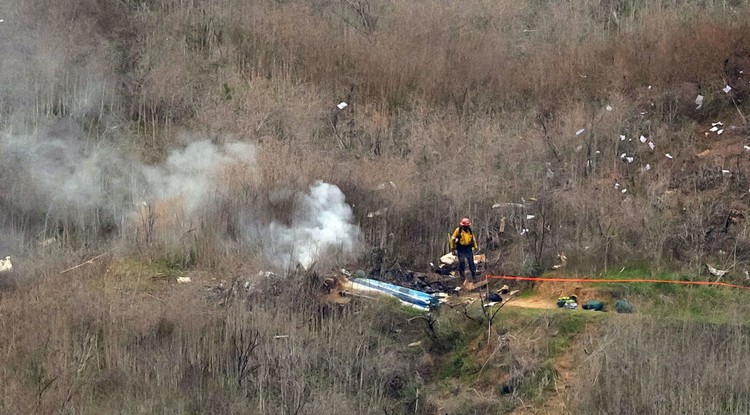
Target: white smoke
[321, 225]
[193, 173]
[55, 173]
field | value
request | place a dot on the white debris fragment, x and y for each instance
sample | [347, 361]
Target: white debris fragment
[622, 137]
[393, 185]
[579, 148]
[622, 156]
[651, 145]
[669, 156]
[717, 272]
[579, 132]
[648, 167]
[714, 129]
[530, 217]
[342, 105]
[496, 206]
[717, 123]
[524, 231]
[617, 186]
[644, 112]
[699, 102]
[5, 264]
[608, 108]
[720, 131]
[725, 172]
[629, 159]
[183, 280]
[624, 191]
[2, 20]
[649, 87]
[643, 139]
[747, 148]
[448, 259]
[598, 152]
[726, 89]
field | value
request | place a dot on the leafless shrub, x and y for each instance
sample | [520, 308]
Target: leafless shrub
[640, 365]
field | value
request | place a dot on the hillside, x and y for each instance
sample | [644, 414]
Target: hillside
[258, 147]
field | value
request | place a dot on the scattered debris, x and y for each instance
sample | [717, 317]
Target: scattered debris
[579, 132]
[622, 137]
[471, 286]
[5, 264]
[448, 259]
[342, 105]
[726, 172]
[366, 287]
[608, 108]
[494, 297]
[570, 302]
[669, 156]
[281, 336]
[377, 213]
[714, 129]
[183, 280]
[717, 272]
[593, 305]
[699, 102]
[562, 261]
[623, 307]
[726, 89]
[530, 217]
[747, 148]
[415, 344]
[643, 139]
[629, 159]
[720, 131]
[651, 145]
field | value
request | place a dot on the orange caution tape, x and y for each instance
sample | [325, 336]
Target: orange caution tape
[583, 280]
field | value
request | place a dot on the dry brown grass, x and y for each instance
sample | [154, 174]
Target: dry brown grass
[459, 105]
[122, 337]
[665, 367]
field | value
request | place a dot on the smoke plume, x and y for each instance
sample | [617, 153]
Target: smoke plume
[321, 225]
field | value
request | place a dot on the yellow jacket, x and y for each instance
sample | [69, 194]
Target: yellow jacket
[463, 238]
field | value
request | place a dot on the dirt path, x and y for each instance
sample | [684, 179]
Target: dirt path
[531, 302]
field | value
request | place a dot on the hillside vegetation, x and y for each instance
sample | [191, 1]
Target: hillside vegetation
[206, 139]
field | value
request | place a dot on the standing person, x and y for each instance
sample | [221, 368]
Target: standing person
[463, 243]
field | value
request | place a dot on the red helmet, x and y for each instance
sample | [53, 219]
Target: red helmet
[465, 222]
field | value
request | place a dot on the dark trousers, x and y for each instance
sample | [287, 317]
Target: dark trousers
[465, 252]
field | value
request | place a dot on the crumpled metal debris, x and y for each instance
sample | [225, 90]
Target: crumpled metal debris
[5, 264]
